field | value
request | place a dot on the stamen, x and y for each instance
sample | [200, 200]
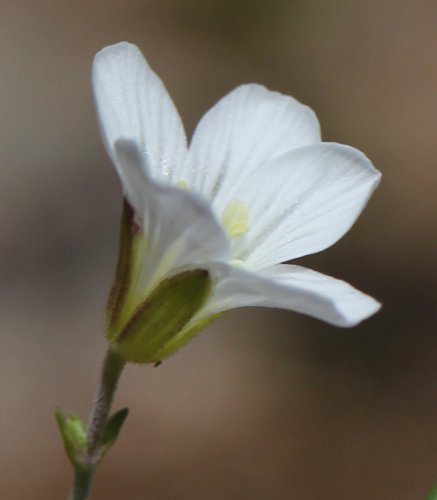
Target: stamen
[235, 218]
[237, 263]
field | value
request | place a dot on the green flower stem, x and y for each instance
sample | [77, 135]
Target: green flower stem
[82, 483]
[113, 365]
[112, 368]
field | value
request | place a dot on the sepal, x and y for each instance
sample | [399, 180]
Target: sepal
[163, 315]
[126, 266]
[183, 337]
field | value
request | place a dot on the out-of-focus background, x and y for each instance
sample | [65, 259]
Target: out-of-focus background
[265, 404]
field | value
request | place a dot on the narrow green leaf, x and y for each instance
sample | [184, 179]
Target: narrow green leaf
[73, 432]
[113, 427]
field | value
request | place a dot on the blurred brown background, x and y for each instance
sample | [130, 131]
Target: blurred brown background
[265, 404]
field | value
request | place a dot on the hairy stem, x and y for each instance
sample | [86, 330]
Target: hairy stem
[82, 483]
[111, 371]
[113, 365]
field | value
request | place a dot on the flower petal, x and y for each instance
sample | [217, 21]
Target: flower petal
[289, 287]
[246, 128]
[132, 103]
[303, 202]
[179, 227]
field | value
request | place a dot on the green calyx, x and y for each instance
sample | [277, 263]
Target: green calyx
[119, 297]
[154, 330]
[183, 337]
[151, 328]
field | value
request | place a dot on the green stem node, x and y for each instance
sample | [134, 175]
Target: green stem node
[100, 434]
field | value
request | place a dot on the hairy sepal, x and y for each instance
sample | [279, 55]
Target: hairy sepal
[121, 302]
[183, 337]
[163, 315]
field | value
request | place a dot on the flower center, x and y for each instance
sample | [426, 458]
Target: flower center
[237, 262]
[235, 218]
[181, 185]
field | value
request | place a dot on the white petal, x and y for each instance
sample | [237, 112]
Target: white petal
[303, 202]
[290, 287]
[246, 128]
[180, 228]
[132, 103]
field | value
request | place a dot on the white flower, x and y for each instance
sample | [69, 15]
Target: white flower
[256, 187]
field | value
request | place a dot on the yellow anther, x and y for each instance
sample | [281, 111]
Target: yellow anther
[237, 263]
[235, 218]
[181, 185]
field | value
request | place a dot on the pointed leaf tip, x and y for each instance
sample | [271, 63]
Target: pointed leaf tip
[73, 433]
[113, 427]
